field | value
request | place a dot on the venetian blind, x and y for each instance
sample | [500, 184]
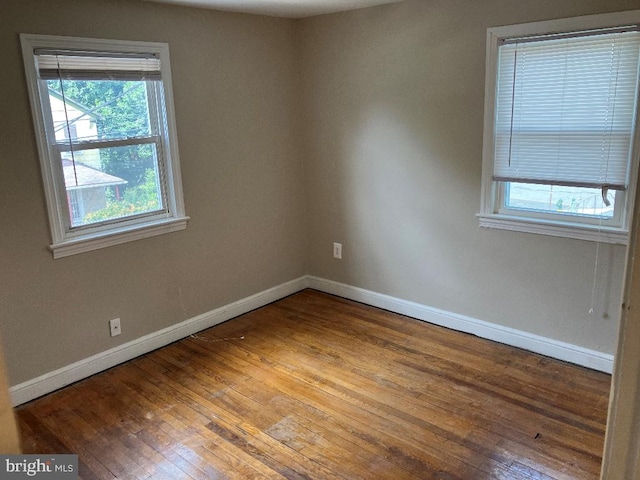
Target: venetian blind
[78, 65]
[565, 108]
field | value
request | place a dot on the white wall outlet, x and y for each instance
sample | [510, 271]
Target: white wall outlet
[114, 326]
[337, 250]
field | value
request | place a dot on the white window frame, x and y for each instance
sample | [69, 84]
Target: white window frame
[492, 212]
[69, 241]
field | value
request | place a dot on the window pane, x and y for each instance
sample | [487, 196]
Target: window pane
[98, 109]
[112, 183]
[559, 199]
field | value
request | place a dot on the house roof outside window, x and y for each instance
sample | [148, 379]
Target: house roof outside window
[77, 176]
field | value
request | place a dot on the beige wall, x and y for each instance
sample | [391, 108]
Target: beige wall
[383, 106]
[236, 111]
[394, 122]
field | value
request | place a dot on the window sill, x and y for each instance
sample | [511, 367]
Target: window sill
[96, 241]
[590, 233]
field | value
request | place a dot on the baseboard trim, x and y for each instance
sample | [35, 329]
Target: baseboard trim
[61, 377]
[534, 343]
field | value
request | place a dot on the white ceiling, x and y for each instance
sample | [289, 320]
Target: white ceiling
[281, 8]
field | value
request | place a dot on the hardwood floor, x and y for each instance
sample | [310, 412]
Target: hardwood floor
[318, 387]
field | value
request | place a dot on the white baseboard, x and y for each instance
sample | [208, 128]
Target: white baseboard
[534, 343]
[56, 379]
[61, 377]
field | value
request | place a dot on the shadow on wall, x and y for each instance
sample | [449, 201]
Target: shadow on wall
[395, 137]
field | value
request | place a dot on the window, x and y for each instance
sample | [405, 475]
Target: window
[560, 144]
[103, 115]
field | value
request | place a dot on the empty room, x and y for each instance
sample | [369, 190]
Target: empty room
[319, 239]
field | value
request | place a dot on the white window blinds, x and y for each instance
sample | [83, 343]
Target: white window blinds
[78, 65]
[565, 109]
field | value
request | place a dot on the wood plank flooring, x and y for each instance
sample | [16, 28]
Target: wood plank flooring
[318, 387]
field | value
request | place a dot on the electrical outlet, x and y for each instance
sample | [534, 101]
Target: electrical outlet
[337, 250]
[114, 326]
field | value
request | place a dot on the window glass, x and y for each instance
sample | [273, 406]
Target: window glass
[99, 109]
[559, 199]
[115, 182]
